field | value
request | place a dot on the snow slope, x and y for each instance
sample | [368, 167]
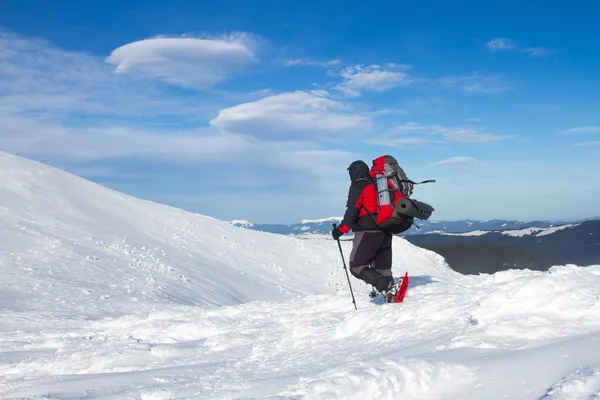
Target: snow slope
[63, 234]
[104, 296]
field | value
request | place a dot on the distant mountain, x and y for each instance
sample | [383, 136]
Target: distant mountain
[323, 226]
[472, 247]
[577, 244]
[302, 228]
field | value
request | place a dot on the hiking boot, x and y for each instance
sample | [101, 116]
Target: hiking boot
[372, 277]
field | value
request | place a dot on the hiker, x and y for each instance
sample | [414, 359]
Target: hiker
[371, 256]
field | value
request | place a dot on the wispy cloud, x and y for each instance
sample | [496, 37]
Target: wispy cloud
[506, 44]
[291, 116]
[404, 142]
[458, 162]
[297, 62]
[450, 134]
[501, 44]
[469, 135]
[75, 148]
[586, 144]
[475, 82]
[377, 78]
[71, 108]
[538, 51]
[184, 61]
[30, 136]
[580, 129]
[412, 134]
[39, 78]
[390, 111]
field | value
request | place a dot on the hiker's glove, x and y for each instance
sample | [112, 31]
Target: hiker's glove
[336, 233]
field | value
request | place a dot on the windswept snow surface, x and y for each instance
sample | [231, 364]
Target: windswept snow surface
[104, 296]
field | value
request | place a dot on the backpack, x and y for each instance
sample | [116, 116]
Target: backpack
[396, 211]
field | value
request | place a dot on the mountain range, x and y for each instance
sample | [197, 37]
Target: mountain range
[323, 226]
[532, 248]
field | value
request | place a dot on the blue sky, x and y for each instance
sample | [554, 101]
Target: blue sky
[254, 109]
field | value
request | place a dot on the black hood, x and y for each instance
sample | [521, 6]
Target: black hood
[358, 169]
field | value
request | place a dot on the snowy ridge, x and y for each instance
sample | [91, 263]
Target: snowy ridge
[472, 233]
[321, 221]
[530, 231]
[109, 251]
[537, 231]
[105, 296]
[242, 223]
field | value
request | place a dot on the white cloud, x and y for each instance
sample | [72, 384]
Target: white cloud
[580, 129]
[288, 116]
[375, 78]
[36, 76]
[475, 82]
[73, 147]
[505, 44]
[500, 44]
[187, 62]
[45, 91]
[310, 63]
[69, 109]
[458, 161]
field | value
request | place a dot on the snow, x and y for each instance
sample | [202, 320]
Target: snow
[104, 296]
[242, 223]
[322, 220]
[579, 384]
[471, 233]
[533, 231]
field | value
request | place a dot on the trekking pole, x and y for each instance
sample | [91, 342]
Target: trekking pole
[345, 269]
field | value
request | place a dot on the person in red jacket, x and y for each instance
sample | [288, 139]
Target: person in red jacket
[371, 256]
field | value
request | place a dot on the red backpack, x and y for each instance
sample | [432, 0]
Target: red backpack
[396, 212]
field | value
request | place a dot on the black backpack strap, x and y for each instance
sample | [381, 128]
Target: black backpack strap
[417, 183]
[408, 180]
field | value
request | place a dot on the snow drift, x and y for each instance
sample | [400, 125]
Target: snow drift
[104, 296]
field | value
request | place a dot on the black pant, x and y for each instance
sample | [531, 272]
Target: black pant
[371, 258]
